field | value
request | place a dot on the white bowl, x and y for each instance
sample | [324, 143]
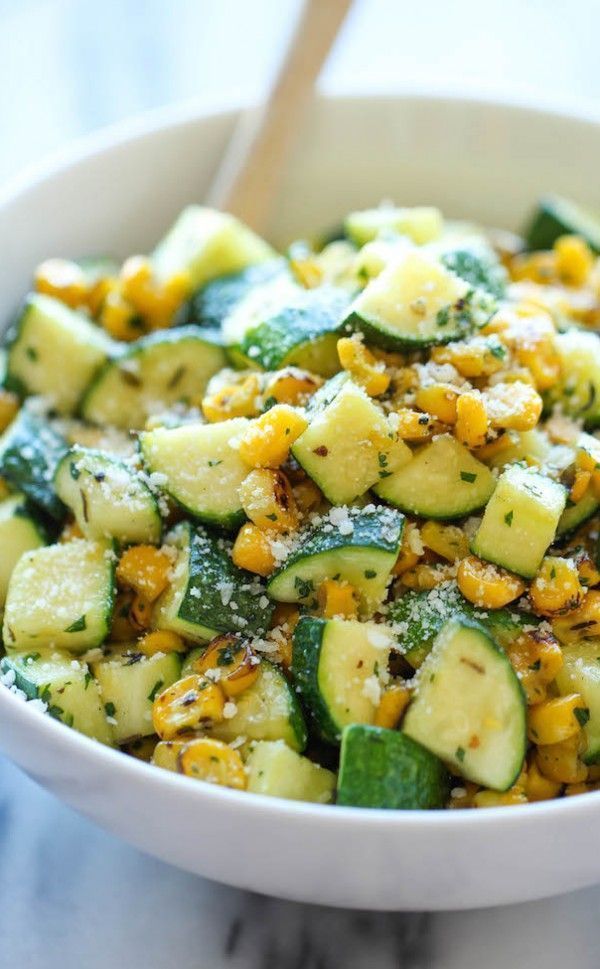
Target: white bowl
[488, 161]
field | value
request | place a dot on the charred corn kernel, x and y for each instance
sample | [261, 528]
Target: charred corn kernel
[145, 569]
[338, 598]
[439, 400]
[541, 360]
[411, 549]
[9, 405]
[70, 532]
[231, 657]
[119, 318]
[360, 363]
[580, 485]
[166, 752]
[560, 762]
[63, 279]
[97, 293]
[161, 641]
[234, 400]
[513, 406]
[538, 787]
[142, 748]
[394, 701]
[471, 420]
[308, 496]
[479, 357]
[4, 489]
[214, 762]
[187, 705]
[140, 614]
[427, 576]
[539, 267]
[486, 799]
[122, 629]
[268, 500]
[292, 386]
[589, 575]
[412, 425]
[487, 585]
[574, 260]
[536, 657]
[494, 448]
[448, 541]
[581, 623]
[554, 720]
[252, 550]
[267, 441]
[556, 588]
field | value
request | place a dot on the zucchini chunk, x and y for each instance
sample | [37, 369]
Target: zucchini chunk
[204, 244]
[61, 596]
[201, 468]
[278, 771]
[416, 302]
[209, 594]
[358, 545]
[129, 683]
[300, 329]
[578, 389]
[479, 266]
[213, 302]
[267, 710]
[556, 216]
[155, 373]
[382, 768]
[338, 666]
[55, 352]
[469, 708]
[443, 480]
[108, 499]
[65, 685]
[520, 520]
[421, 224]
[576, 513]
[20, 532]
[580, 673]
[30, 450]
[349, 444]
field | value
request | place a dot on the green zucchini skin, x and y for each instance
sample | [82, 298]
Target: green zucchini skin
[382, 768]
[20, 531]
[196, 605]
[308, 639]
[30, 451]
[213, 302]
[556, 216]
[325, 553]
[478, 269]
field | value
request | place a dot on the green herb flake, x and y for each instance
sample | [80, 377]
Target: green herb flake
[87, 679]
[304, 586]
[31, 353]
[78, 626]
[272, 517]
[370, 574]
[582, 715]
[74, 470]
[460, 754]
[155, 690]
[469, 476]
[110, 709]
[508, 518]
[213, 463]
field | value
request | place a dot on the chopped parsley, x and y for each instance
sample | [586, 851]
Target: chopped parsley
[469, 476]
[460, 754]
[582, 715]
[110, 709]
[508, 518]
[154, 691]
[78, 626]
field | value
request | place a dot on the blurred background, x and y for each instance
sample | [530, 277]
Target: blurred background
[70, 66]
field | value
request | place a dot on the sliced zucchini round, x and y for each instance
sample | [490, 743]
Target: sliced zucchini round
[469, 707]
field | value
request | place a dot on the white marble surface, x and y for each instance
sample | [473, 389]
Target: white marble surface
[71, 896]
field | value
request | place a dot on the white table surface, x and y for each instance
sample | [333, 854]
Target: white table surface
[71, 896]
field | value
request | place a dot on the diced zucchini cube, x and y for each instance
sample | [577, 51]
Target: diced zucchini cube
[422, 224]
[129, 683]
[60, 596]
[19, 533]
[277, 770]
[520, 520]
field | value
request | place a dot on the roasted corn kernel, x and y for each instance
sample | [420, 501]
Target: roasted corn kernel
[267, 441]
[486, 585]
[252, 550]
[268, 500]
[187, 705]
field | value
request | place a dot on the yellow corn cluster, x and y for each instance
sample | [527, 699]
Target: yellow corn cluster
[556, 588]
[268, 500]
[486, 585]
[365, 369]
[338, 598]
[241, 399]
[267, 442]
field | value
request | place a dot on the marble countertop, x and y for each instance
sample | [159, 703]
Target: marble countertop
[71, 896]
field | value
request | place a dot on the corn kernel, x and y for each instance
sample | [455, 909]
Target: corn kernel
[394, 701]
[478, 357]
[337, 598]
[268, 500]
[234, 400]
[214, 762]
[252, 550]
[471, 420]
[63, 279]
[161, 641]
[140, 613]
[9, 406]
[539, 267]
[589, 575]
[439, 400]
[292, 386]
[186, 705]
[537, 658]
[235, 662]
[119, 318]
[122, 630]
[447, 541]
[411, 549]
[580, 485]
[538, 787]
[489, 451]
[513, 406]
[487, 585]
[581, 623]
[556, 587]
[560, 762]
[486, 799]
[412, 425]
[364, 368]
[308, 496]
[574, 260]
[554, 720]
[266, 443]
[145, 569]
